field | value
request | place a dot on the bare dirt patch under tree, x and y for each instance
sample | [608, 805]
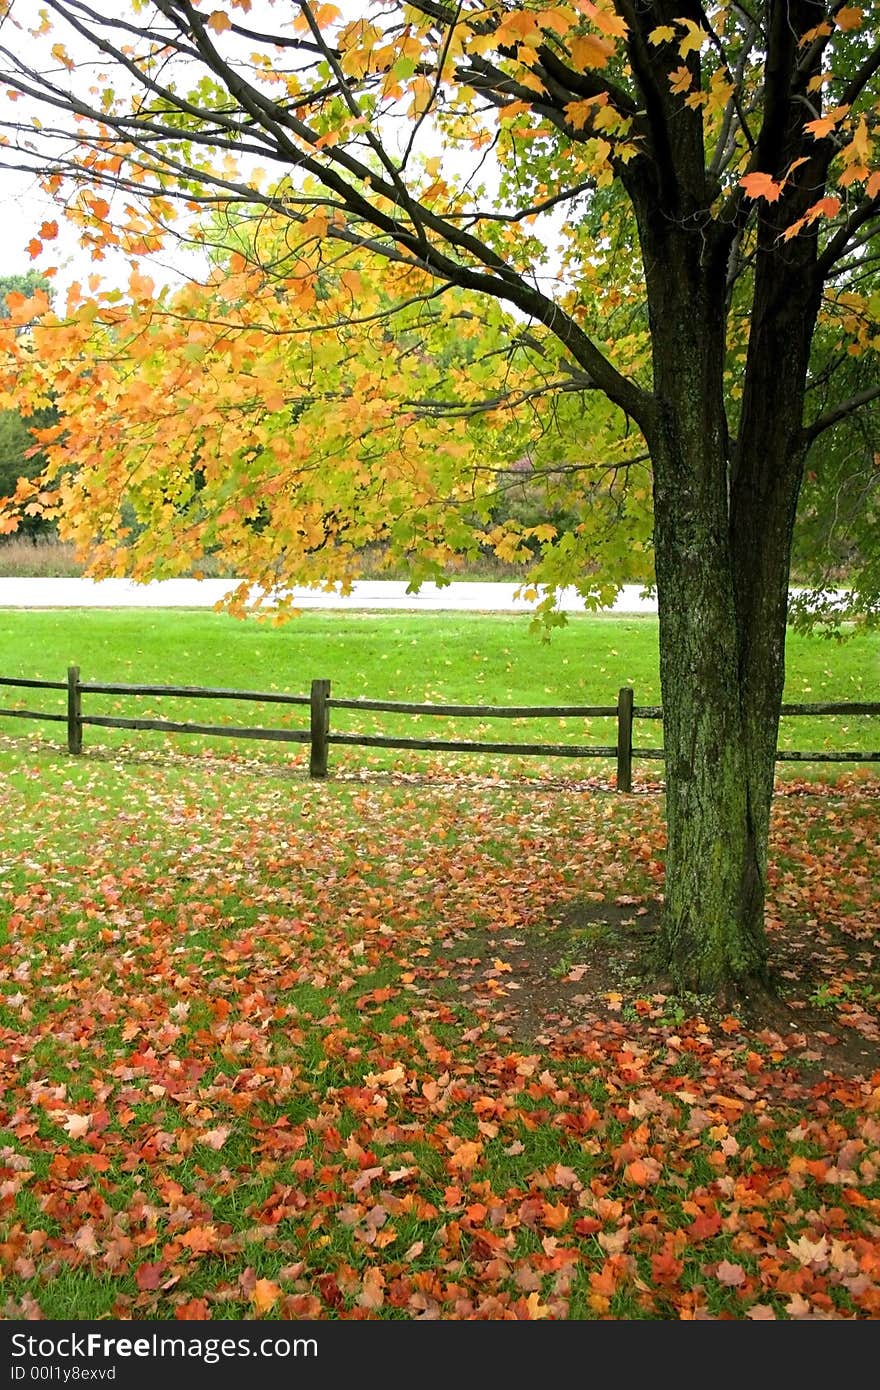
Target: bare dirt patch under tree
[589, 963]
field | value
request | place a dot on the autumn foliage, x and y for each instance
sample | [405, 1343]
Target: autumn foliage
[254, 1065]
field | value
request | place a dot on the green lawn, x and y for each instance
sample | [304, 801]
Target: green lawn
[431, 657]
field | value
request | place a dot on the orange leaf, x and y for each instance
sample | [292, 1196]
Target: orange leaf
[826, 207]
[200, 1239]
[466, 1155]
[665, 1268]
[589, 51]
[373, 1293]
[218, 21]
[850, 17]
[759, 185]
[555, 1216]
[605, 1281]
[823, 125]
[642, 1171]
[196, 1310]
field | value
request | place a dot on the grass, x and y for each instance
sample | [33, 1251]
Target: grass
[427, 657]
[246, 984]
[40, 558]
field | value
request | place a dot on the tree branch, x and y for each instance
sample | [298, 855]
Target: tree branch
[839, 412]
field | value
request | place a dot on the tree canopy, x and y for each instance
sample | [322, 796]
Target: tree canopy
[20, 456]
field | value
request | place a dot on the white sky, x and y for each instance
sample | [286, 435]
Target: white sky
[23, 207]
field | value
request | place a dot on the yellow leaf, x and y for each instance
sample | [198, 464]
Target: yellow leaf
[810, 1252]
[681, 79]
[386, 1078]
[265, 1295]
[720, 91]
[694, 37]
[218, 21]
[536, 1308]
[422, 89]
[861, 142]
[664, 33]
[60, 54]
[530, 80]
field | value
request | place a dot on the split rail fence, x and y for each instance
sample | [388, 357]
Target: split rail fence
[320, 738]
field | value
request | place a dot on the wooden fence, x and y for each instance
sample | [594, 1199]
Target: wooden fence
[319, 737]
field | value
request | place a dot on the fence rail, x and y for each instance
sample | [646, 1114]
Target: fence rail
[319, 737]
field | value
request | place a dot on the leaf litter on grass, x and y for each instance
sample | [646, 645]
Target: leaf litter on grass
[381, 1048]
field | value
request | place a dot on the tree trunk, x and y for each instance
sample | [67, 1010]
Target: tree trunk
[722, 539]
[719, 762]
[718, 784]
[723, 510]
[765, 481]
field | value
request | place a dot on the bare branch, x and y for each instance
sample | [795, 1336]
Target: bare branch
[839, 412]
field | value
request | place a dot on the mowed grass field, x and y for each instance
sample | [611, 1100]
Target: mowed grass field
[474, 659]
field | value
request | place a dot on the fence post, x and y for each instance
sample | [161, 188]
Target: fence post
[320, 728]
[74, 711]
[624, 738]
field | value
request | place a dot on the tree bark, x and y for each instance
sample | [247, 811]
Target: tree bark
[724, 513]
[712, 936]
[719, 757]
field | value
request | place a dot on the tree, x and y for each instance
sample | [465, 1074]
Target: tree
[839, 506]
[290, 453]
[734, 145]
[19, 456]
